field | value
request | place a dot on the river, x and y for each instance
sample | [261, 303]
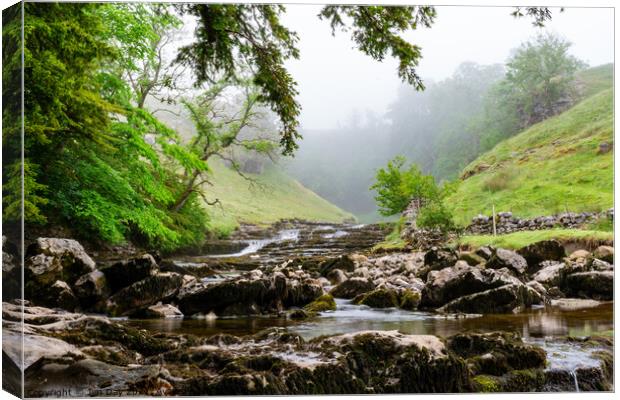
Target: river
[541, 325]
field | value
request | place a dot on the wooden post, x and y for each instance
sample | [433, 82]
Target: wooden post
[494, 227]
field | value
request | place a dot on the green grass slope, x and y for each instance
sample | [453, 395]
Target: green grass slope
[273, 197]
[596, 79]
[552, 167]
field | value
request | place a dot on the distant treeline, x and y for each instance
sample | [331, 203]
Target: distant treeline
[448, 125]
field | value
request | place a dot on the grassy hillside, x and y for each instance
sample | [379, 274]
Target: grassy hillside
[596, 79]
[517, 240]
[551, 167]
[275, 196]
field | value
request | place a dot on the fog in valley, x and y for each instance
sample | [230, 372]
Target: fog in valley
[356, 114]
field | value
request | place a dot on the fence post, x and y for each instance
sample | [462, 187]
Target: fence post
[494, 228]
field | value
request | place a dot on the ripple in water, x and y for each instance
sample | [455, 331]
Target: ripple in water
[286, 235]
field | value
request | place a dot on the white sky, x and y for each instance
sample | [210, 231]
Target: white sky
[335, 79]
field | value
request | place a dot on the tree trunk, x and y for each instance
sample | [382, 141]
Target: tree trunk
[189, 188]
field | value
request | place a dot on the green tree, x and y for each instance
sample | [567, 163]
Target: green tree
[397, 185]
[218, 129]
[436, 215]
[63, 48]
[540, 78]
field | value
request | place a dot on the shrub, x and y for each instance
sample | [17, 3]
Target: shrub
[396, 186]
[436, 216]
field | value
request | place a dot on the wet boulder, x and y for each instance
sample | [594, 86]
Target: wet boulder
[579, 255]
[144, 293]
[301, 292]
[598, 285]
[352, 287]
[503, 258]
[57, 295]
[599, 265]
[496, 353]
[450, 283]
[439, 258]
[539, 288]
[391, 362]
[574, 304]
[124, 273]
[550, 275]
[485, 252]
[604, 253]
[343, 263]
[324, 303]
[91, 288]
[11, 273]
[504, 299]
[409, 300]
[545, 250]
[52, 259]
[249, 294]
[336, 276]
[200, 298]
[378, 298]
[157, 311]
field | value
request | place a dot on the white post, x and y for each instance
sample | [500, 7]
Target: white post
[494, 227]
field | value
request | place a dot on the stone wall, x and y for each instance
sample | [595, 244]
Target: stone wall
[507, 223]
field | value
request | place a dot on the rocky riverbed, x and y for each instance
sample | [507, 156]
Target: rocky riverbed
[306, 309]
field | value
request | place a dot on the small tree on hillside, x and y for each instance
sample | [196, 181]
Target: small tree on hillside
[397, 186]
[540, 78]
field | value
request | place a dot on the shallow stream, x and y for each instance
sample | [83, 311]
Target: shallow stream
[543, 326]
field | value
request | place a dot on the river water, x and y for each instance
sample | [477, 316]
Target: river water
[536, 323]
[539, 325]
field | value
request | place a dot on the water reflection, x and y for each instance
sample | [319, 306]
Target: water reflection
[540, 323]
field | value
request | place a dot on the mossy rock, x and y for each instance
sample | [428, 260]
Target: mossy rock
[324, 303]
[486, 384]
[298, 314]
[471, 258]
[607, 363]
[496, 353]
[409, 300]
[525, 380]
[91, 331]
[378, 298]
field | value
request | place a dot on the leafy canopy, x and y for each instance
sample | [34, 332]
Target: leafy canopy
[396, 185]
[539, 83]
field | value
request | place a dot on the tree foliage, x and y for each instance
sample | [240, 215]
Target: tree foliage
[436, 215]
[218, 129]
[397, 185]
[229, 35]
[539, 75]
[540, 82]
[377, 30]
[62, 51]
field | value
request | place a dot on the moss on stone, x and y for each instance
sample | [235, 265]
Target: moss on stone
[607, 363]
[324, 303]
[524, 380]
[486, 384]
[409, 300]
[378, 298]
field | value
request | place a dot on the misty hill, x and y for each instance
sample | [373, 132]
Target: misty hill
[273, 197]
[564, 163]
